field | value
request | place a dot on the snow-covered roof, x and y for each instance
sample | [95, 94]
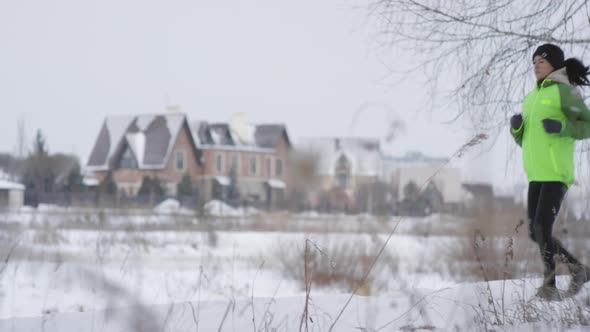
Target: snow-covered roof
[363, 154]
[150, 137]
[136, 142]
[415, 157]
[223, 180]
[263, 137]
[90, 182]
[9, 185]
[274, 183]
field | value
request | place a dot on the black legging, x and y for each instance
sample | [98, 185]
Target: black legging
[544, 200]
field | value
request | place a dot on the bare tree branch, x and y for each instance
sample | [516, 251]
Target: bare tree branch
[478, 54]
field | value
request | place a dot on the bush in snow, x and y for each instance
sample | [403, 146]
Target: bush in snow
[108, 184]
[340, 264]
[185, 186]
[48, 235]
[482, 257]
[151, 189]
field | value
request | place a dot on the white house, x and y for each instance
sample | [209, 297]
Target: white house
[344, 162]
[11, 194]
[423, 170]
[348, 164]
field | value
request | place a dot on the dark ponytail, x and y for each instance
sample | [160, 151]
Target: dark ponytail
[577, 73]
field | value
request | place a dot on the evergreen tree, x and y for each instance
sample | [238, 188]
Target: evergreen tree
[233, 191]
[108, 185]
[185, 186]
[151, 188]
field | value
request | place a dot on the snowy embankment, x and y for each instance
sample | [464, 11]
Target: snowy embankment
[462, 307]
[60, 272]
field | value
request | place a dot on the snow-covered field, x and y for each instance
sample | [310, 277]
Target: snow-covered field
[194, 277]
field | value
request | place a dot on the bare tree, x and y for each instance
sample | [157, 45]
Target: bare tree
[478, 54]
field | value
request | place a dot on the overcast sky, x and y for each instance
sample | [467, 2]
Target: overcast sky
[66, 64]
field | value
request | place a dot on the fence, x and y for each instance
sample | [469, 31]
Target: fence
[102, 200]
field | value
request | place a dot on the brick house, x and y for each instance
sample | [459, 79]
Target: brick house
[132, 147]
[258, 153]
[167, 146]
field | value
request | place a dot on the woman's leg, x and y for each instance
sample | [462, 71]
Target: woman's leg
[550, 197]
[532, 202]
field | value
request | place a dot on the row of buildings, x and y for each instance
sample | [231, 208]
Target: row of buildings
[262, 161]
[168, 146]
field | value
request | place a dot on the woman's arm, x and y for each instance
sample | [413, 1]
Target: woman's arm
[577, 123]
[517, 134]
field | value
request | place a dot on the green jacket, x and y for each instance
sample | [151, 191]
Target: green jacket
[550, 157]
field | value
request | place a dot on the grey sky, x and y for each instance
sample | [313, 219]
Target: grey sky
[66, 64]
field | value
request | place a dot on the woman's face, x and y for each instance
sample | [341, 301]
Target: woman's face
[542, 67]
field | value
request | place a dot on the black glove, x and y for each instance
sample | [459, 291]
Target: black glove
[516, 121]
[552, 126]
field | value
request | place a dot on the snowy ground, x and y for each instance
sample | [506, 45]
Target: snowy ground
[67, 279]
[448, 309]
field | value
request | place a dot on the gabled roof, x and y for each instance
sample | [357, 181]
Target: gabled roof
[201, 133]
[221, 134]
[150, 138]
[269, 135]
[264, 136]
[109, 138]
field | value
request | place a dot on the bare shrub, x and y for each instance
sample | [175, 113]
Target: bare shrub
[527, 308]
[483, 257]
[566, 313]
[48, 235]
[212, 237]
[504, 249]
[496, 222]
[335, 263]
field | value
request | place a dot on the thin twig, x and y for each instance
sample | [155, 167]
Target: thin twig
[229, 306]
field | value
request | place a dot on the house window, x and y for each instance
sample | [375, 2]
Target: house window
[279, 168]
[219, 163]
[127, 160]
[253, 165]
[268, 166]
[180, 160]
[235, 162]
[342, 172]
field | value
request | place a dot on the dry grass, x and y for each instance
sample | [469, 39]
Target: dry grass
[497, 222]
[494, 258]
[493, 253]
[497, 246]
[492, 245]
[338, 264]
